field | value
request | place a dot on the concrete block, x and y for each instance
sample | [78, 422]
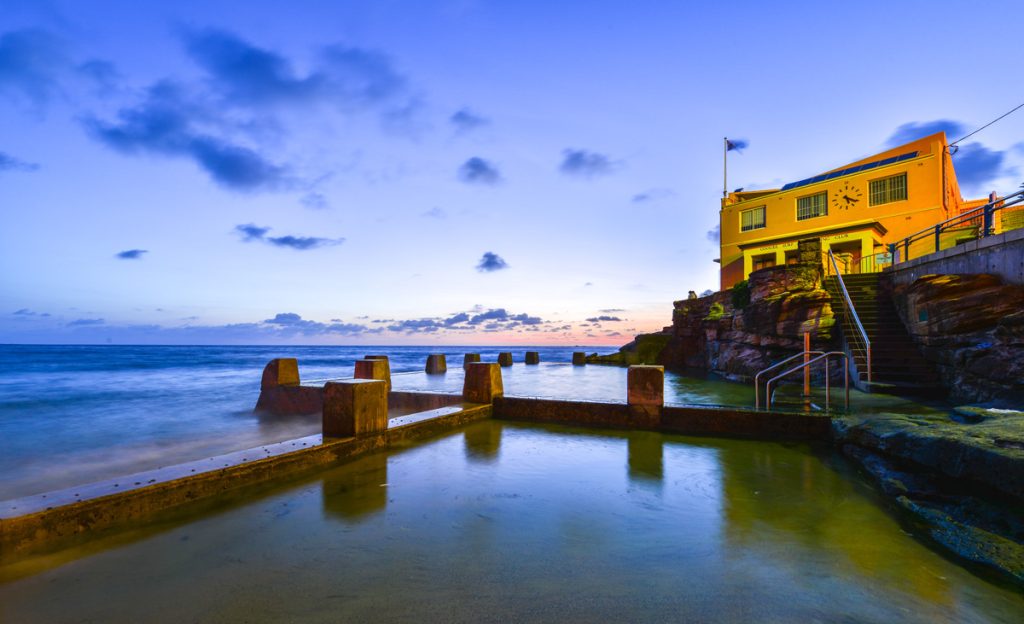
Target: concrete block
[482, 383]
[532, 357]
[374, 369]
[436, 364]
[579, 358]
[505, 358]
[645, 394]
[280, 372]
[469, 358]
[355, 407]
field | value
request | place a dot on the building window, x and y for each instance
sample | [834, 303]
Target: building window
[812, 206]
[752, 219]
[887, 190]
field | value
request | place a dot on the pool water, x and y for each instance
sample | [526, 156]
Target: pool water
[512, 522]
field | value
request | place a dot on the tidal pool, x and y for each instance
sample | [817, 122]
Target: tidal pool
[510, 522]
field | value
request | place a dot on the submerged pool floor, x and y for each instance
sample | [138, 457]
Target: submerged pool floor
[510, 522]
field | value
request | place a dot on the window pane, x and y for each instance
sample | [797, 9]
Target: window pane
[887, 190]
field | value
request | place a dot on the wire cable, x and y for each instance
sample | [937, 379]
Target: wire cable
[1015, 109]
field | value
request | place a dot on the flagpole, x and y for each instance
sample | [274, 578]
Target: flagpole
[725, 170]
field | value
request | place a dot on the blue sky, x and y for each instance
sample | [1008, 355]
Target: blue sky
[440, 173]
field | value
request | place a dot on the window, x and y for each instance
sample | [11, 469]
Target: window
[812, 206]
[887, 190]
[752, 219]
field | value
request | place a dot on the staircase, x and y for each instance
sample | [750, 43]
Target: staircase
[897, 365]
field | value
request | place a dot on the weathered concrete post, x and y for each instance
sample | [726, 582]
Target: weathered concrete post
[532, 357]
[280, 391]
[387, 366]
[645, 394]
[355, 407]
[579, 358]
[482, 383]
[505, 358]
[374, 369]
[469, 358]
[280, 372]
[436, 364]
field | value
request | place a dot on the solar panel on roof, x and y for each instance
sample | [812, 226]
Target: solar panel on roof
[848, 171]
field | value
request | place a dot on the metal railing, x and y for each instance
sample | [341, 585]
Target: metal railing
[757, 377]
[847, 265]
[857, 340]
[973, 224]
[828, 378]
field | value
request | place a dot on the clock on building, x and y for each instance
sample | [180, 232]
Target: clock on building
[847, 196]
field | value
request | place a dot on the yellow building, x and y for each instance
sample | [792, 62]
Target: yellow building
[856, 210]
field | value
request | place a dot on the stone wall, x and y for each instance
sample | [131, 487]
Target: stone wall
[972, 328]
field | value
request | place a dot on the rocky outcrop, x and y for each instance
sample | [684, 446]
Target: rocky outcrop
[738, 332]
[972, 328]
[962, 481]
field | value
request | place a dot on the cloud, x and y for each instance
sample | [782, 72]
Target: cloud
[585, 164]
[603, 318]
[102, 74]
[292, 323]
[27, 312]
[30, 60]
[466, 120]
[315, 201]
[131, 254]
[491, 320]
[82, 322]
[434, 213]
[476, 170]
[612, 310]
[915, 130]
[976, 165]
[10, 163]
[165, 123]
[246, 75]
[714, 234]
[653, 194]
[250, 232]
[490, 262]
[588, 284]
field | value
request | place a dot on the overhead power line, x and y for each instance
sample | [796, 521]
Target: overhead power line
[1013, 110]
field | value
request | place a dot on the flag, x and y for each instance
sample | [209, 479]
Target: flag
[737, 145]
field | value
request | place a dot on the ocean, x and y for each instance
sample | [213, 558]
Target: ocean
[76, 414]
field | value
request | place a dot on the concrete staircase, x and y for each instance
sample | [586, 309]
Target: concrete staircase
[897, 365]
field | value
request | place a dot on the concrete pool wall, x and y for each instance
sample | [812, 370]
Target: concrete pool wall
[47, 521]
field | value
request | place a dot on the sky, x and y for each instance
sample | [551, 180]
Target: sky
[449, 172]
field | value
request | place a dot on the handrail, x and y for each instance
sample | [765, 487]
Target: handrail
[853, 312]
[966, 216]
[828, 388]
[757, 385]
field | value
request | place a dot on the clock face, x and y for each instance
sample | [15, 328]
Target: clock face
[846, 197]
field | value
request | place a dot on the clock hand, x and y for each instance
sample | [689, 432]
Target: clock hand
[850, 199]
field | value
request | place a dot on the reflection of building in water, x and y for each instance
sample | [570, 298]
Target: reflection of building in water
[645, 450]
[768, 490]
[483, 441]
[357, 490]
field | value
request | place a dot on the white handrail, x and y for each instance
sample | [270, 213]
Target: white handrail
[828, 389]
[757, 377]
[852, 311]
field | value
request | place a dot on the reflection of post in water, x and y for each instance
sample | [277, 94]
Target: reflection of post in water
[483, 441]
[645, 456]
[357, 490]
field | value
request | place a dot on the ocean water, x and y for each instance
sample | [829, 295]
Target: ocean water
[71, 415]
[76, 414]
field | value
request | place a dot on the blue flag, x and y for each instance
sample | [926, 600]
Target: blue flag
[736, 144]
